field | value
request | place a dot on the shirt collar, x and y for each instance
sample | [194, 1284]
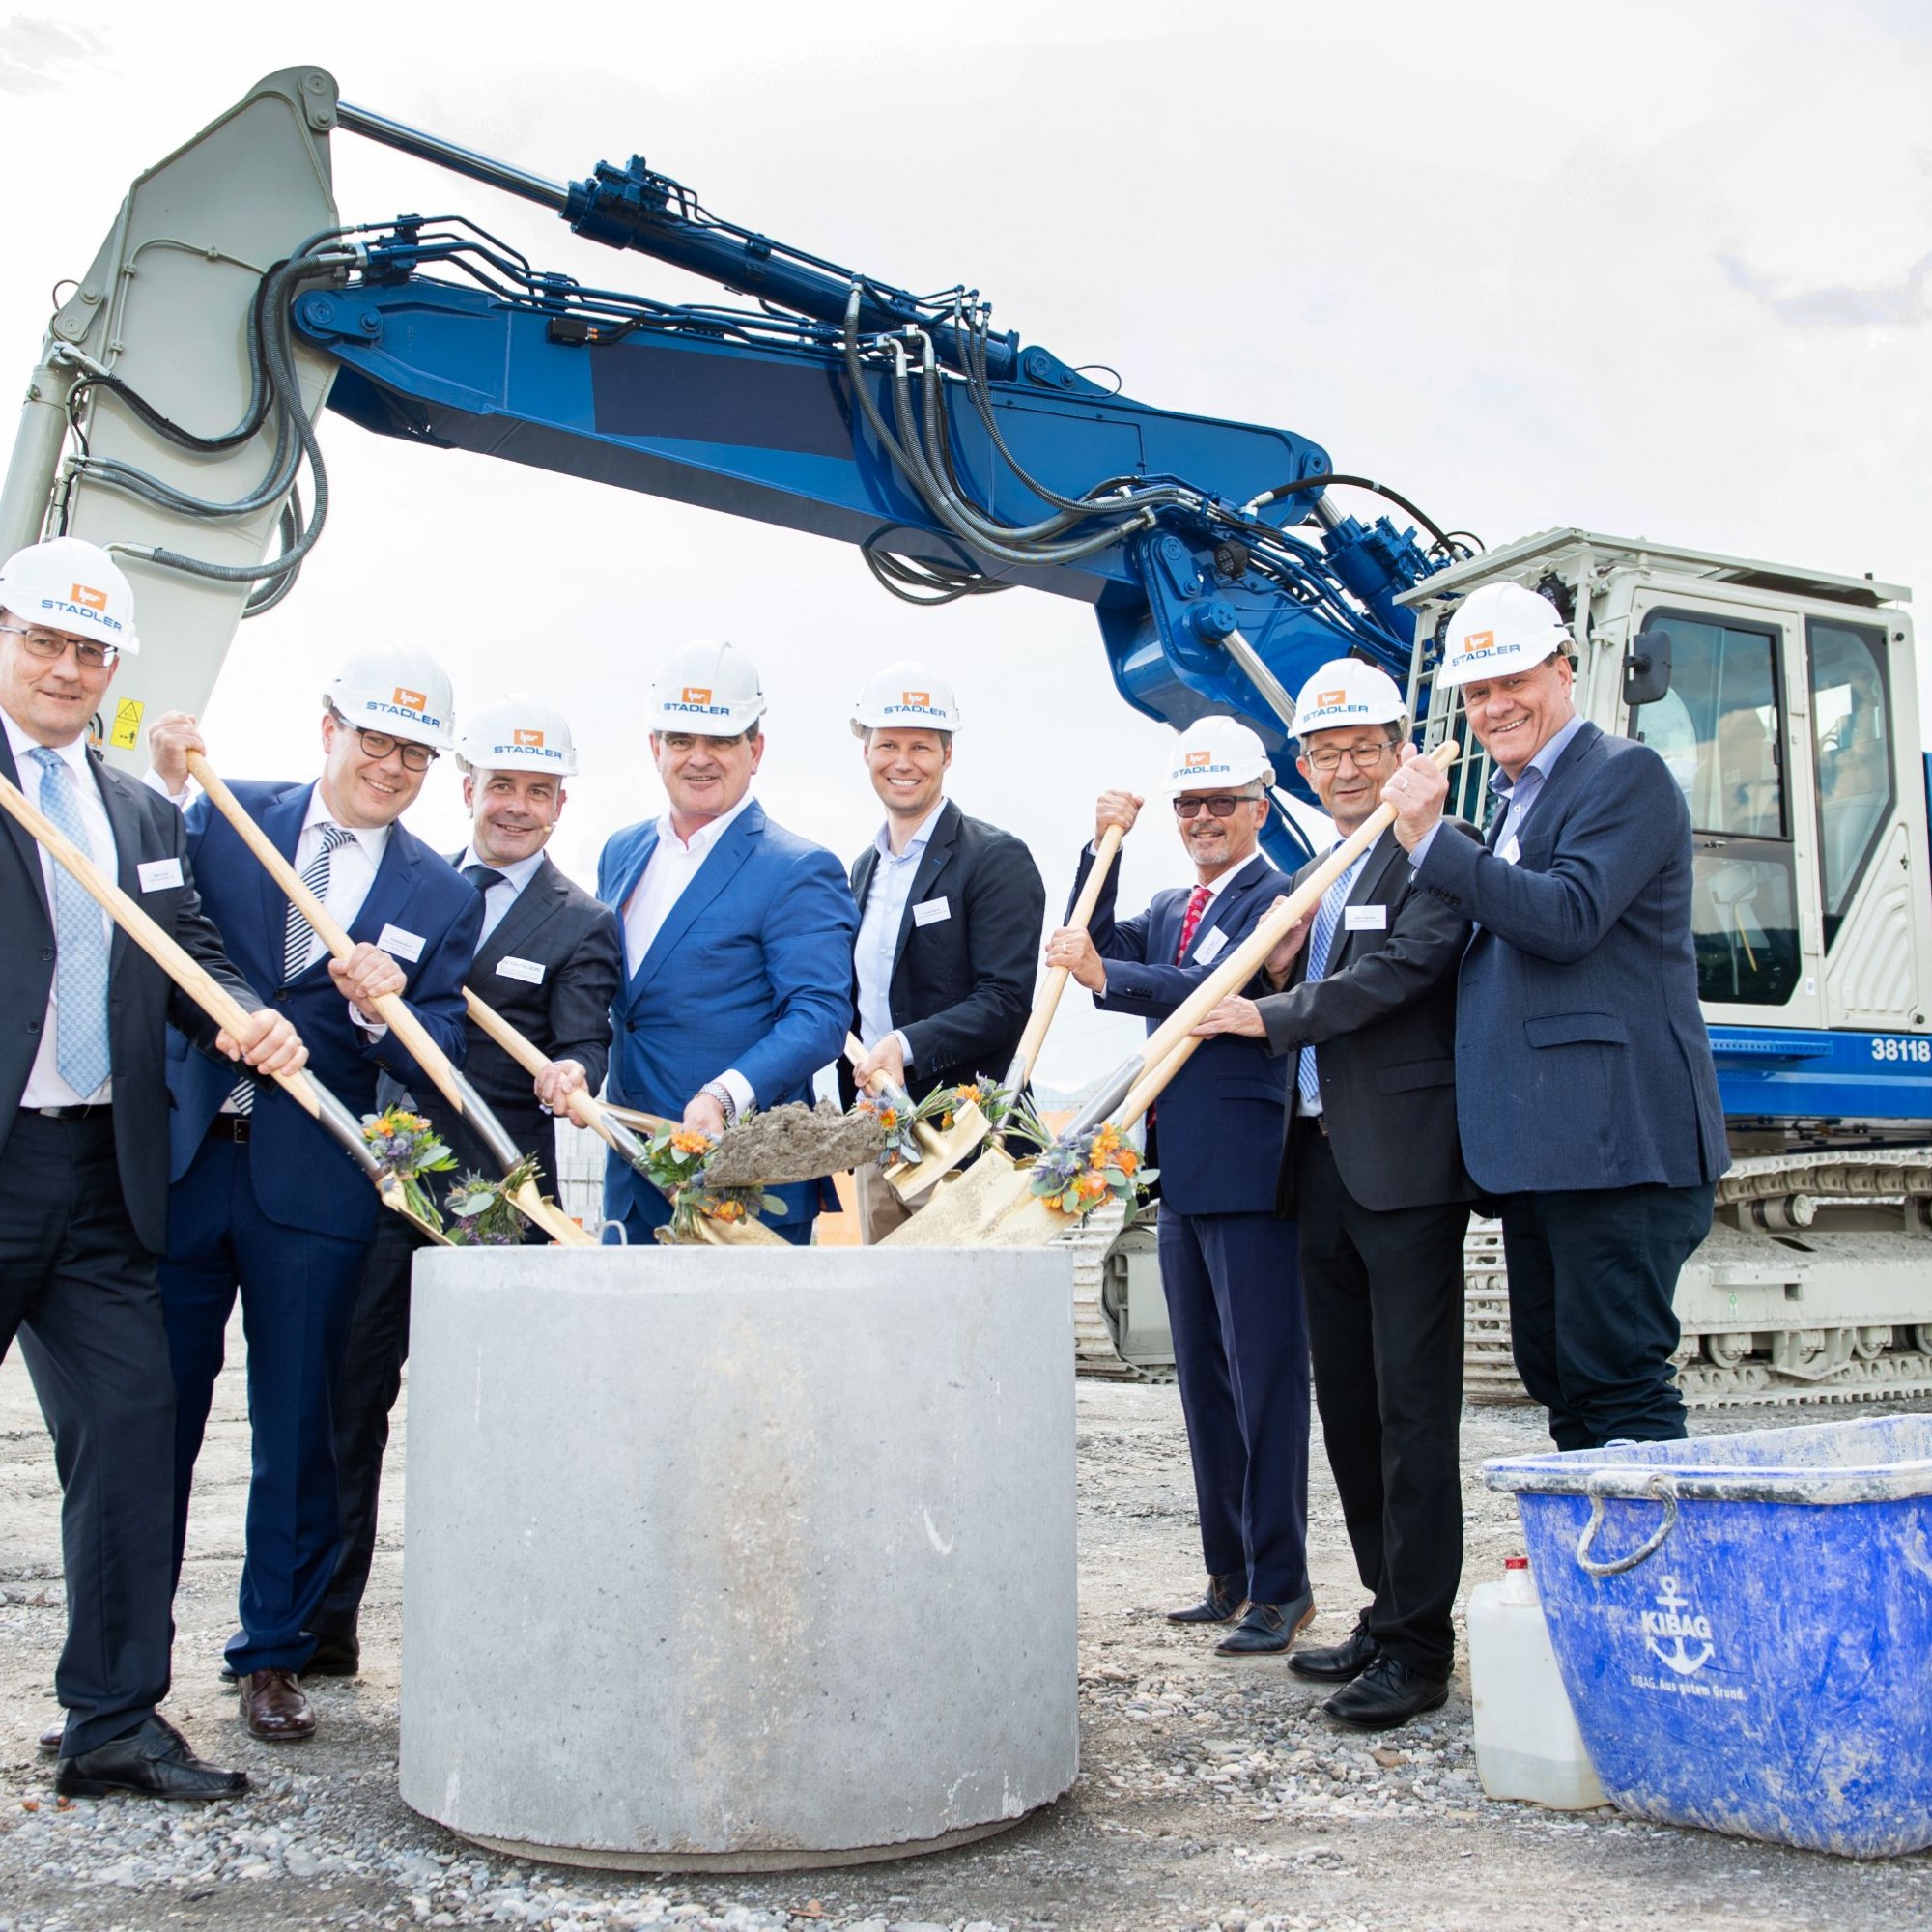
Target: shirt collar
[706, 836]
[916, 844]
[1544, 762]
[23, 746]
[1216, 886]
[518, 872]
[374, 840]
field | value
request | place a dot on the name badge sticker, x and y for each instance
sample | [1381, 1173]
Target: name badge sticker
[929, 912]
[1211, 948]
[401, 945]
[1365, 919]
[159, 874]
[530, 971]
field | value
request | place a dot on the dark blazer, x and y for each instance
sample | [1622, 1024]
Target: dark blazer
[555, 925]
[142, 1000]
[963, 986]
[301, 1179]
[752, 969]
[1581, 1059]
[1217, 1141]
[1383, 1017]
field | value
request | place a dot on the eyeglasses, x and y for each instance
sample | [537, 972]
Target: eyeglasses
[50, 646]
[1221, 807]
[1329, 758]
[378, 745]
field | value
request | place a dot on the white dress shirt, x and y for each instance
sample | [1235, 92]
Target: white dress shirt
[46, 1088]
[501, 897]
[351, 872]
[674, 862]
[879, 938]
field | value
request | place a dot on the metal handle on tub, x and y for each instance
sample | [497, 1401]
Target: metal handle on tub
[1661, 1490]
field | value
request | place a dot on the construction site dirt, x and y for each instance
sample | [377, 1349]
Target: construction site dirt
[1211, 1793]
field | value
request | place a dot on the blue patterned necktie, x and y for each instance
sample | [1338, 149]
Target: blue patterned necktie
[298, 935]
[1320, 941]
[80, 963]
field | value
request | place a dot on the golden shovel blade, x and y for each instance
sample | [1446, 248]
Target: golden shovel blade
[749, 1232]
[945, 1149]
[991, 1204]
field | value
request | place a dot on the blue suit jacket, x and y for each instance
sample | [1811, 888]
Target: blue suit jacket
[1581, 1059]
[1218, 1143]
[301, 1179]
[753, 969]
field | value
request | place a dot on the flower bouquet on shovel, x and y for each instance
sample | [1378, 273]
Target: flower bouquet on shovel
[1077, 1174]
[407, 1148]
[481, 1212]
[674, 1163]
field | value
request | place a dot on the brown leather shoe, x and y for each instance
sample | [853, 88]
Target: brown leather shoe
[52, 1739]
[274, 1706]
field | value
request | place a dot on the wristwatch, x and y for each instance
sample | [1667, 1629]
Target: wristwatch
[722, 1093]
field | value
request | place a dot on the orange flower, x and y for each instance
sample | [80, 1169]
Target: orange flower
[968, 1095]
[688, 1140]
[726, 1210]
[1126, 1160]
[1090, 1187]
[888, 1117]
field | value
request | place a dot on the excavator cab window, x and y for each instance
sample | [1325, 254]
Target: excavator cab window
[1851, 723]
[1720, 730]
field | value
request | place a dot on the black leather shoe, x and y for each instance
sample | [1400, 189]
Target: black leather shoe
[51, 1738]
[1387, 1694]
[334, 1656]
[1268, 1629]
[1218, 1606]
[154, 1761]
[1336, 1663]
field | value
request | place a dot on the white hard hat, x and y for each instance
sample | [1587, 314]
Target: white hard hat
[1347, 691]
[69, 584]
[1215, 752]
[519, 734]
[395, 688]
[905, 692]
[1499, 630]
[710, 688]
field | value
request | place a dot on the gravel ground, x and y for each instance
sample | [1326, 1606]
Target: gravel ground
[1211, 1794]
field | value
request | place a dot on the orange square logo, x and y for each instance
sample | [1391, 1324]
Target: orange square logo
[1326, 697]
[410, 700]
[697, 693]
[1200, 757]
[921, 698]
[533, 739]
[1479, 641]
[89, 598]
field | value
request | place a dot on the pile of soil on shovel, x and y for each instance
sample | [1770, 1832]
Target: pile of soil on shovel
[794, 1143]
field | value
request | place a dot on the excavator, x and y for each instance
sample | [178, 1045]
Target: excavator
[174, 418]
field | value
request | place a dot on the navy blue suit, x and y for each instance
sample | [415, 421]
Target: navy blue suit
[1585, 1094]
[285, 1216]
[752, 969]
[1227, 1264]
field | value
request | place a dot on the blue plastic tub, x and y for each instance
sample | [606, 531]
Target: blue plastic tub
[1744, 1626]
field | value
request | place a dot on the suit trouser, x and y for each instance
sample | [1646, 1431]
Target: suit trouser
[1241, 1356]
[1384, 1296]
[297, 1289]
[78, 1288]
[1592, 1281]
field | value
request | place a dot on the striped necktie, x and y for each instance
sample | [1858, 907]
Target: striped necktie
[80, 962]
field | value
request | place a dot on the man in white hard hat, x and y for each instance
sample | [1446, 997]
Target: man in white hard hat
[950, 914]
[1227, 1261]
[1586, 1096]
[1373, 1173]
[83, 1135]
[737, 935]
[549, 960]
[262, 1204]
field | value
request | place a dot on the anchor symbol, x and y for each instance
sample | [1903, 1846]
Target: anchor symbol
[1677, 1658]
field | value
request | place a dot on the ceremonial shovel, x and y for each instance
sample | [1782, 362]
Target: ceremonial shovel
[1005, 1213]
[601, 1120]
[212, 998]
[408, 1029]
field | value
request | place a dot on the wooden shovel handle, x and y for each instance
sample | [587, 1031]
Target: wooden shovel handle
[395, 1011]
[1035, 1036]
[584, 1109]
[1173, 1043]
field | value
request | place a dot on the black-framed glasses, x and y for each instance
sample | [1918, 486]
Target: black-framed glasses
[380, 744]
[49, 646]
[1328, 757]
[1220, 807]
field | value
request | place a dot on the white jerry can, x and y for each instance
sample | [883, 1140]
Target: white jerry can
[1527, 1745]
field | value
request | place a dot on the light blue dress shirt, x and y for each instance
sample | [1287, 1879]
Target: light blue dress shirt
[878, 940]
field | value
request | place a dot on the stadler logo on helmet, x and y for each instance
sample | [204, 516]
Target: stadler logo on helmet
[527, 742]
[921, 699]
[89, 598]
[530, 740]
[410, 700]
[84, 601]
[1200, 760]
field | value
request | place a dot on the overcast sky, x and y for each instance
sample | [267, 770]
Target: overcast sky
[1653, 270]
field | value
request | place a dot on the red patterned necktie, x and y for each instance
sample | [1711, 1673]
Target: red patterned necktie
[1197, 904]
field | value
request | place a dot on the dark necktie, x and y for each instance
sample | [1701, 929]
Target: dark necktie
[483, 877]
